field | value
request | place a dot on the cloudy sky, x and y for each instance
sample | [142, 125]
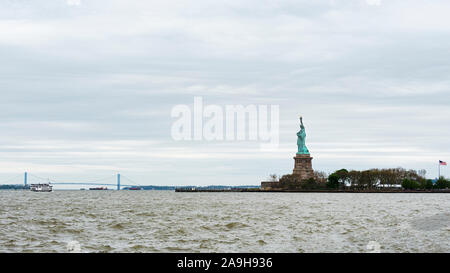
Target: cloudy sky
[87, 86]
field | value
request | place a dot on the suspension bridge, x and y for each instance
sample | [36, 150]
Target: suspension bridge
[29, 178]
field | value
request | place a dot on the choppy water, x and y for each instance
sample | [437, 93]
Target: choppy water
[163, 221]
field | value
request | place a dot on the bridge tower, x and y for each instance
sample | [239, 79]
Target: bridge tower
[25, 178]
[118, 181]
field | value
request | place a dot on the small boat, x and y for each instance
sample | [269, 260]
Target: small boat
[99, 189]
[45, 187]
[135, 188]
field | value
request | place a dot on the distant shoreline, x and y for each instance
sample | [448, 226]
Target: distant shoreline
[241, 189]
[315, 191]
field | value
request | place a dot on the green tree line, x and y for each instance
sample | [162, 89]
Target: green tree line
[399, 178]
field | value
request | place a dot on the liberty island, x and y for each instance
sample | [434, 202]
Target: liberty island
[304, 179]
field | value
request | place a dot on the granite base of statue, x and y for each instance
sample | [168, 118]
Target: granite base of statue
[303, 166]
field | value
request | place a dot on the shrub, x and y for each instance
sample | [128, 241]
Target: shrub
[429, 184]
[442, 183]
[409, 184]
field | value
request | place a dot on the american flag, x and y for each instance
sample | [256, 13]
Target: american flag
[442, 163]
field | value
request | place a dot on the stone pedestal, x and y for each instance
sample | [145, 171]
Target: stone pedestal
[303, 166]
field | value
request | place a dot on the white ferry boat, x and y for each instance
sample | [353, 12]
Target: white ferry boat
[46, 187]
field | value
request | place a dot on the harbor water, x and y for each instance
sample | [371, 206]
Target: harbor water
[166, 221]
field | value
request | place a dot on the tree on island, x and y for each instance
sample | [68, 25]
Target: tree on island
[429, 184]
[333, 181]
[409, 184]
[442, 183]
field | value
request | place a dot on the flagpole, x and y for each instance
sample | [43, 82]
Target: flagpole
[439, 173]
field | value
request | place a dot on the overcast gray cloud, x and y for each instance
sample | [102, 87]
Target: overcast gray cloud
[87, 87]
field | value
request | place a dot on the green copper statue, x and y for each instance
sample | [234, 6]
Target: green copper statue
[301, 140]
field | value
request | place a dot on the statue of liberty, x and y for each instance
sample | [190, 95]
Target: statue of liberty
[301, 139]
